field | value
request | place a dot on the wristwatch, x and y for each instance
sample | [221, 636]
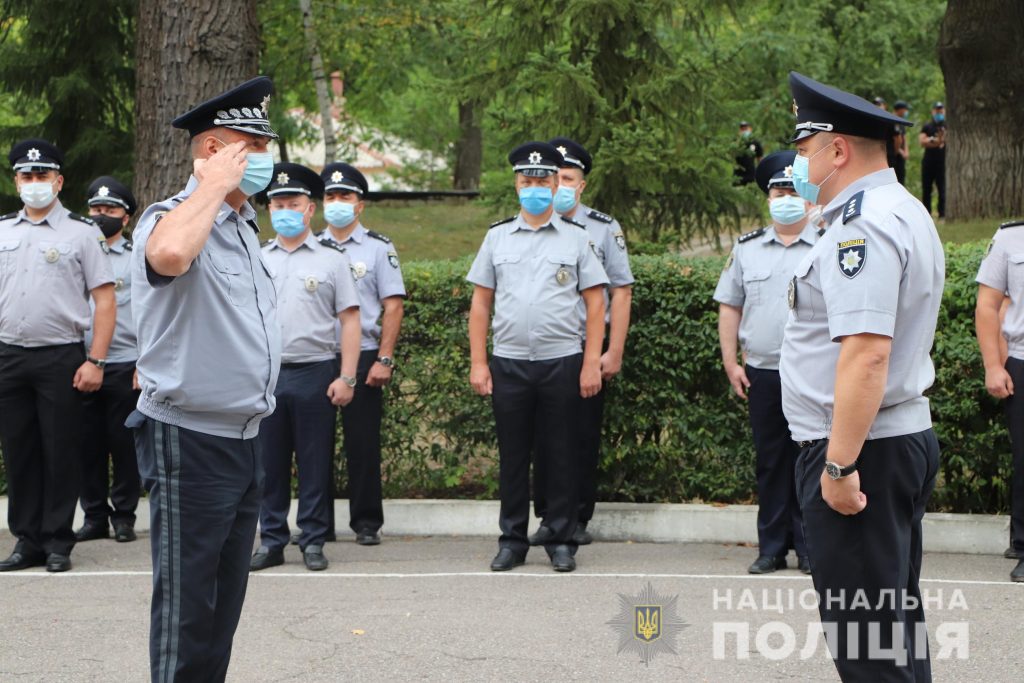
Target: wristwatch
[98, 362]
[350, 381]
[837, 471]
[386, 361]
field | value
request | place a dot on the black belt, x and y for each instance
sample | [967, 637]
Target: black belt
[808, 444]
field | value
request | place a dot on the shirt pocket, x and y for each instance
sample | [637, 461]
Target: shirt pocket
[1015, 273]
[9, 256]
[754, 284]
[55, 260]
[560, 271]
[229, 275]
[313, 284]
[800, 293]
[507, 268]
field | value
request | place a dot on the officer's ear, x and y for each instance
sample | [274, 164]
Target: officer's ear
[580, 187]
[125, 220]
[309, 212]
[60, 182]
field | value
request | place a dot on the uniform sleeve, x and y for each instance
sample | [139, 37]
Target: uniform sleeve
[346, 295]
[143, 229]
[482, 271]
[730, 284]
[589, 271]
[616, 258]
[860, 279]
[95, 264]
[994, 268]
[389, 273]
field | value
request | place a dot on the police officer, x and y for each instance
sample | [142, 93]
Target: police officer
[610, 243]
[933, 165]
[1001, 280]
[111, 206]
[381, 292]
[855, 363]
[51, 260]
[534, 268]
[901, 151]
[209, 354]
[748, 155]
[751, 294]
[315, 290]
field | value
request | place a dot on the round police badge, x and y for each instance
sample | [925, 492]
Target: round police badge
[52, 255]
[562, 276]
[118, 284]
[312, 283]
[359, 270]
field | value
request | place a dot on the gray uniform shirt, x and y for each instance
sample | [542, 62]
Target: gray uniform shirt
[878, 269]
[123, 347]
[756, 279]
[47, 269]
[209, 340]
[537, 277]
[378, 276]
[1003, 269]
[314, 284]
[610, 244]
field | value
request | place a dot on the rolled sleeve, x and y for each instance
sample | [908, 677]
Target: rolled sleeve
[866, 301]
[482, 271]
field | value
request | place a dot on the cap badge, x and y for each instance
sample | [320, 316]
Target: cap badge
[264, 104]
[282, 178]
[796, 109]
[788, 171]
[104, 191]
[562, 150]
[534, 157]
[336, 177]
[33, 154]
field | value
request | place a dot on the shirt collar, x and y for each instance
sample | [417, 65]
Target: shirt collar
[118, 246]
[57, 206]
[809, 234]
[871, 180]
[520, 224]
[310, 242]
[357, 234]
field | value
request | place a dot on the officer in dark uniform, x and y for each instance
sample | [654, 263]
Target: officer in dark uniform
[748, 155]
[381, 293]
[933, 165]
[51, 260]
[610, 244]
[111, 206]
[315, 290]
[1001, 280]
[533, 268]
[752, 308]
[899, 142]
[209, 355]
[855, 365]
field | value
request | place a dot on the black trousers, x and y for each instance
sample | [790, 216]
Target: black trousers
[204, 497]
[536, 410]
[1015, 422]
[934, 173]
[779, 526]
[899, 164]
[41, 436]
[877, 551]
[360, 423]
[107, 440]
[303, 423]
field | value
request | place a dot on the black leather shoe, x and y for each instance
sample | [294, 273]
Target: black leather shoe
[562, 559]
[295, 538]
[265, 558]
[1012, 554]
[506, 559]
[124, 533]
[766, 565]
[91, 532]
[581, 535]
[313, 557]
[1017, 574]
[368, 538]
[18, 561]
[804, 565]
[541, 536]
[57, 563]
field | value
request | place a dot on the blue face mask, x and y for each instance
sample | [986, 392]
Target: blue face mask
[287, 223]
[801, 177]
[787, 209]
[339, 214]
[257, 173]
[940, 117]
[565, 199]
[535, 200]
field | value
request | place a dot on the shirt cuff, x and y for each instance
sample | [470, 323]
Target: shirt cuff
[861, 322]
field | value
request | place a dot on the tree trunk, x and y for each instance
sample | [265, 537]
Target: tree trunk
[323, 98]
[468, 148]
[186, 51]
[983, 65]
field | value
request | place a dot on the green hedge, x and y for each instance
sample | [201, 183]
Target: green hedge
[673, 431]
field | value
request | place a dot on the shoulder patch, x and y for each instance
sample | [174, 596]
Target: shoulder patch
[1011, 224]
[82, 219]
[378, 236]
[331, 244]
[573, 221]
[598, 216]
[853, 207]
[9, 216]
[503, 221]
[754, 234]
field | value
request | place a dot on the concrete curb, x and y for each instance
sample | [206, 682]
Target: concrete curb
[641, 522]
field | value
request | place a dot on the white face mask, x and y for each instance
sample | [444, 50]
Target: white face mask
[37, 195]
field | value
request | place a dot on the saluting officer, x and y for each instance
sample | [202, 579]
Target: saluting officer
[1001, 280]
[751, 294]
[533, 268]
[610, 244]
[855, 364]
[315, 291]
[51, 260]
[111, 206]
[381, 293]
[209, 354]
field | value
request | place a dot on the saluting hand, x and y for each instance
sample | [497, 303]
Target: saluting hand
[340, 393]
[998, 382]
[480, 379]
[843, 495]
[88, 378]
[225, 168]
[590, 380]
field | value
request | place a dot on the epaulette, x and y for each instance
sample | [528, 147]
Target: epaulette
[754, 234]
[598, 216]
[1011, 224]
[821, 232]
[252, 224]
[328, 242]
[83, 219]
[503, 221]
[378, 236]
[9, 216]
[574, 222]
[852, 208]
